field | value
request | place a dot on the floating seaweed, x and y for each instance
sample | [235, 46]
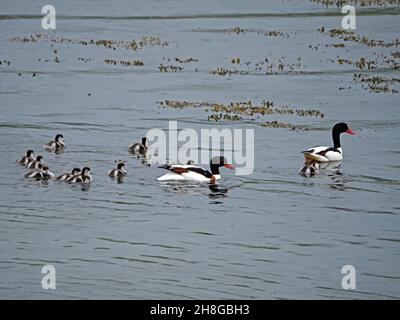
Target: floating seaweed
[169, 68]
[235, 60]
[239, 30]
[243, 111]
[280, 66]
[128, 63]
[224, 72]
[84, 59]
[361, 3]
[376, 84]
[347, 35]
[188, 60]
[148, 41]
[277, 124]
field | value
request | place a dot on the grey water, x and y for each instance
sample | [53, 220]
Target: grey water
[270, 235]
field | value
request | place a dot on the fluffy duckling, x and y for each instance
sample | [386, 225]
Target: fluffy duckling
[36, 164]
[310, 169]
[67, 176]
[119, 171]
[83, 177]
[40, 174]
[23, 161]
[55, 145]
[140, 148]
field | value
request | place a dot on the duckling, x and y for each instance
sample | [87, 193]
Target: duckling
[310, 169]
[23, 161]
[55, 145]
[83, 177]
[72, 176]
[119, 171]
[139, 147]
[36, 164]
[67, 176]
[40, 174]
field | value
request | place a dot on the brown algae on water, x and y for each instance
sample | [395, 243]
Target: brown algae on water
[376, 84]
[361, 3]
[142, 42]
[134, 63]
[244, 111]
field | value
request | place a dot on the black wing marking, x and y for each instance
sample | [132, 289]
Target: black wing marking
[174, 169]
[201, 171]
[323, 152]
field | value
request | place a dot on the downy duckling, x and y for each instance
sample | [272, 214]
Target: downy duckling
[40, 174]
[23, 161]
[310, 169]
[119, 171]
[36, 164]
[140, 148]
[67, 176]
[83, 177]
[55, 145]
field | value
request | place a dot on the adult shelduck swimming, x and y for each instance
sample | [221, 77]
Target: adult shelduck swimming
[190, 172]
[23, 161]
[326, 154]
[55, 145]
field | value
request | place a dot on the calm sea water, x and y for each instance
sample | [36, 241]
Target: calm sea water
[273, 234]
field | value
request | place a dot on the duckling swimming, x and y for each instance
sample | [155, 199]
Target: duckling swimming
[23, 161]
[310, 169]
[83, 177]
[40, 174]
[36, 164]
[119, 171]
[140, 148]
[68, 176]
[55, 145]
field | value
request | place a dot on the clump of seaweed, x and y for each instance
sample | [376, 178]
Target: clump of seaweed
[376, 84]
[280, 66]
[169, 68]
[235, 60]
[224, 117]
[188, 60]
[86, 60]
[224, 72]
[274, 33]
[277, 124]
[264, 65]
[236, 30]
[134, 63]
[182, 104]
[244, 111]
[147, 41]
[347, 35]
[362, 3]
[239, 30]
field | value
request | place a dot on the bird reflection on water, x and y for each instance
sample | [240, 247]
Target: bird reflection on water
[335, 175]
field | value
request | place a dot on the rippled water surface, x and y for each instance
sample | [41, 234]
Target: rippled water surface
[272, 234]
